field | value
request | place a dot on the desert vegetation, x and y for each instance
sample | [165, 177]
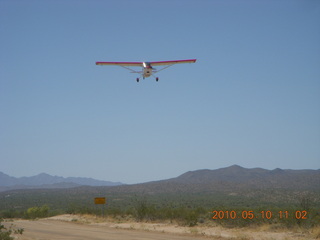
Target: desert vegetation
[187, 209]
[6, 232]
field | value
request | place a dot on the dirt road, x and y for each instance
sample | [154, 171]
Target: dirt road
[49, 229]
[81, 227]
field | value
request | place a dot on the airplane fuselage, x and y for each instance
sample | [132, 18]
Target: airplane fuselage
[147, 69]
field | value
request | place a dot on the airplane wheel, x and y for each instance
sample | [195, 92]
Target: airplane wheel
[137, 79]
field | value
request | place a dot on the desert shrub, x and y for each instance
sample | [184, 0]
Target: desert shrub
[190, 218]
[37, 212]
[12, 213]
[144, 211]
[5, 233]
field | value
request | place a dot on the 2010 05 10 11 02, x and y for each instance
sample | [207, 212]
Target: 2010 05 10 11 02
[250, 214]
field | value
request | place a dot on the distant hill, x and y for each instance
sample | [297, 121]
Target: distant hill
[254, 177]
[229, 180]
[44, 180]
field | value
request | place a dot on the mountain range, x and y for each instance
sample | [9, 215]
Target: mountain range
[229, 179]
[233, 179]
[44, 180]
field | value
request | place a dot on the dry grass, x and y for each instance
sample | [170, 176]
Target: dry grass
[315, 232]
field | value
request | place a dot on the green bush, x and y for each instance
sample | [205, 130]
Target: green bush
[37, 212]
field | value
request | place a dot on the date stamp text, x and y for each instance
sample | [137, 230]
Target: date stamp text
[247, 214]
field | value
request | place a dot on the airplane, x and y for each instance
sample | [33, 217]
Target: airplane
[147, 67]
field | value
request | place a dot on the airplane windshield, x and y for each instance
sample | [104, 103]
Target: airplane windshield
[147, 65]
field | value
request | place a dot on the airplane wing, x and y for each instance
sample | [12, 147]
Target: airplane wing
[133, 64]
[172, 62]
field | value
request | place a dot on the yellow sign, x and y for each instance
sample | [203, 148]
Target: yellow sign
[100, 200]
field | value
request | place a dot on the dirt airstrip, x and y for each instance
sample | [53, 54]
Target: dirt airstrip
[75, 227]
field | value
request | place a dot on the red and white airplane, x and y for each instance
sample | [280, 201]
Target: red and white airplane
[147, 67]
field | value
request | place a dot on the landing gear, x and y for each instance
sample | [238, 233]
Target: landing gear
[137, 79]
[157, 79]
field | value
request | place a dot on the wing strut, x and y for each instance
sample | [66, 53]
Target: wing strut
[163, 68]
[132, 71]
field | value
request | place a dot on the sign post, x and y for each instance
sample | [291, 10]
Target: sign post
[100, 201]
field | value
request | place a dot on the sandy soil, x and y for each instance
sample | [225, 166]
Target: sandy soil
[88, 227]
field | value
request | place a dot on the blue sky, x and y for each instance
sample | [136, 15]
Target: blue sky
[252, 98]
